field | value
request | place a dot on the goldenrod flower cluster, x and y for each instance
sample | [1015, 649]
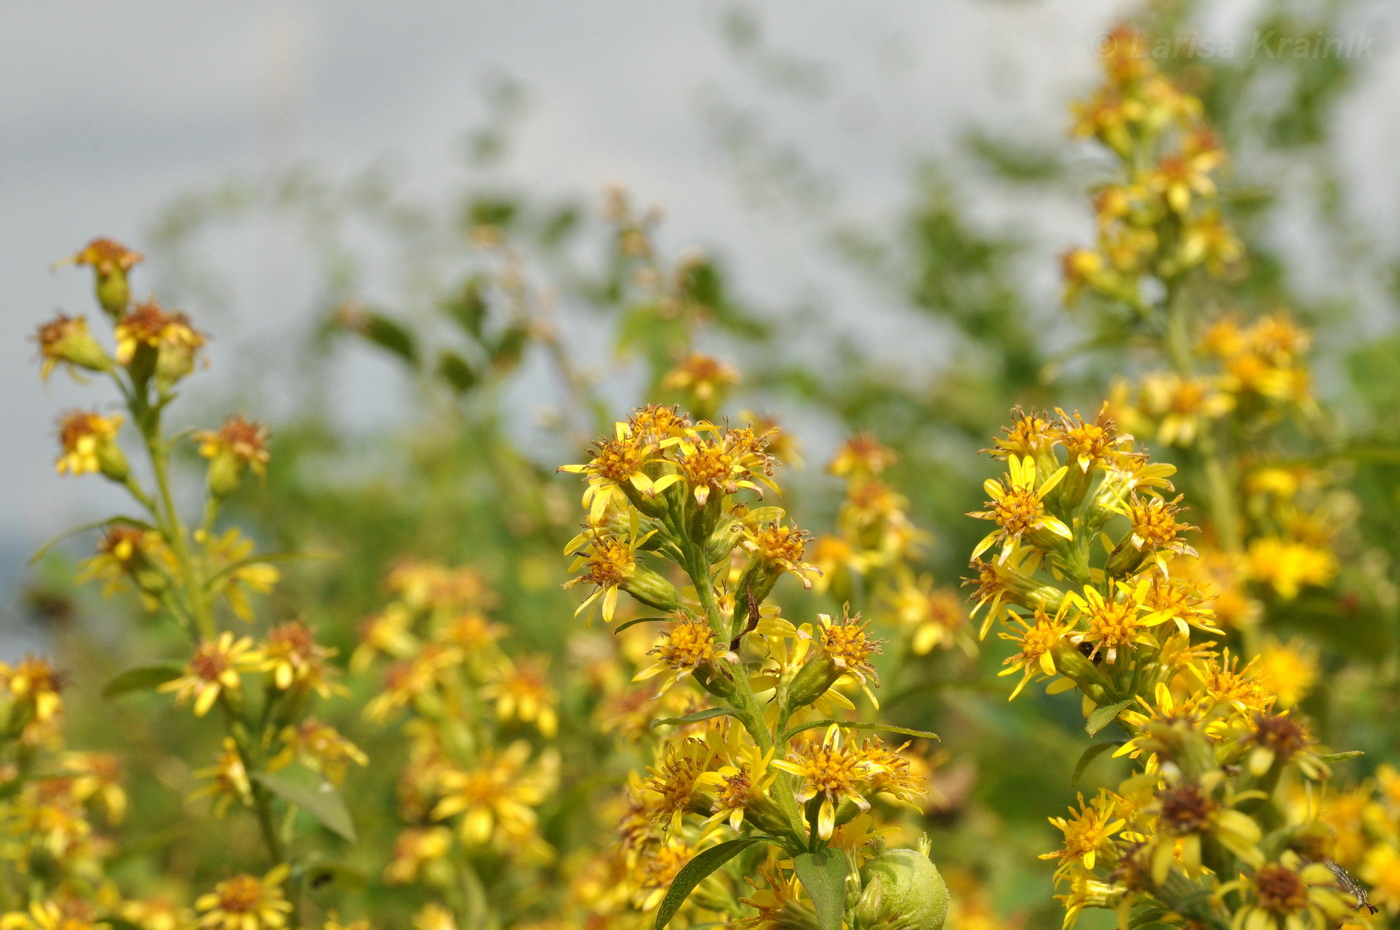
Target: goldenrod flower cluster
[765, 757]
[197, 576]
[480, 725]
[1084, 575]
[1094, 573]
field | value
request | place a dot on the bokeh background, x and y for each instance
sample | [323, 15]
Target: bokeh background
[882, 192]
[773, 136]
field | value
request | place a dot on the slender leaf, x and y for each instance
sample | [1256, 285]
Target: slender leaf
[141, 679]
[696, 871]
[456, 371]
[1341, 756]
[97, 525]
[860, 725]
[622, 626]
[1089, 755]
[305, 555]
[708, 713]
[390, 336]
[1103, 716]
[312, 794]
[823, 875]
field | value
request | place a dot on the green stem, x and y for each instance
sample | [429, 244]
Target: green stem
[1224, 514]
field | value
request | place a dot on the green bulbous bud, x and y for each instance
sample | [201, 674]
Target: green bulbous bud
[111, 460]
[813, 680]
[113, 293]
[225, 474]
[903, 891]
[652, 589]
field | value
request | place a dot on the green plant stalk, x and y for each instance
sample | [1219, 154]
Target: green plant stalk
[201, 612]
[1224, 513]
[745, 703]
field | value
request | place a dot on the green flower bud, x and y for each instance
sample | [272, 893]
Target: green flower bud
[903, 891]
[813, 680]
[225, 474]
[652, 589]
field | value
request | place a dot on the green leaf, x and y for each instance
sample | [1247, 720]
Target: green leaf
[696, 871]
[468, 307]
[310, 792]
[321, 874]
[141, 679]
[823, 875]
[1341, 756]
[118, 923]
[860, 725]
[1089, 755]
[622, 626]
[510, 347]
[457, 372]
[1103, 716]
[100, 524]
[708, 713]
[389, 336]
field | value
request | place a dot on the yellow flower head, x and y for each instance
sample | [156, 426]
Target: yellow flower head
[1037, 641]
[522, 692]
[227, 780]
[1087, 831]
[1288, 670]
[617, 465]
[1090, 444]
[236, 446]
[782, 547]
[293, 657]
[65, 340]
[89, 444]
[673, 784]
[861, 456]
[702, 377]
[172, 342]
[1115, 623]
[33, 687]
[1029, 434]
[1288, 567]
[321, 748]
[105, 256]
[684, 648]
[496, 798]
[215, 668]
[246, 902]
[414, 849]
[1018, 509]
[833, 771]
[1290, 895]
[936, 617]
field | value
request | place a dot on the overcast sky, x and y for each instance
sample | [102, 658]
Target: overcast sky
[108, 109]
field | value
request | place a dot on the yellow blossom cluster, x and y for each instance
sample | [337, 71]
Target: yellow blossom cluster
[764, 766]
[479, 724]
[1084, 573]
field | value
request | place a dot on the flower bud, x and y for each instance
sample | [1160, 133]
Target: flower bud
[110, 262]
[225, 473]
[652, 589]
[813, 680]
[903, 891]
[66, 340]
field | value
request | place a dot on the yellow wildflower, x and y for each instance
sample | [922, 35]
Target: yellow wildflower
[215, 668]
[246, 902]
[1018, 509]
